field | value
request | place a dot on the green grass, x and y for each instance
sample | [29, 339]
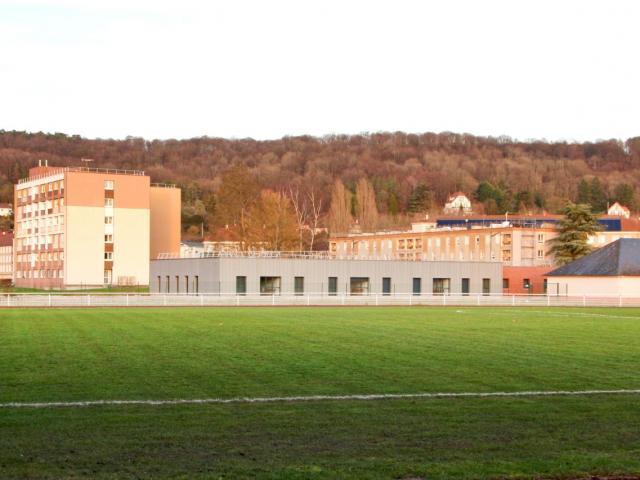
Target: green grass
[90, 354]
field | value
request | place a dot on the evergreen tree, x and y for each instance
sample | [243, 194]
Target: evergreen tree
[624, 194]
[584, 192]
[420, 199]
[573, 233]
[598, 196]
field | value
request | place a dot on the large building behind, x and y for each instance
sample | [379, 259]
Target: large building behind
[80, 227]
[6, 257]
[521, 244]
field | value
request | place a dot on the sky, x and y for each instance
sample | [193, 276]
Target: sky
[555, 70]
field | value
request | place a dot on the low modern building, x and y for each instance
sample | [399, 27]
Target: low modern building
[6, 257]
[87, 227]
[611, 270]
[274, 273]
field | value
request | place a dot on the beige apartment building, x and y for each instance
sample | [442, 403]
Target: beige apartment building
[6, 257]
[523, 251]
[81, 227]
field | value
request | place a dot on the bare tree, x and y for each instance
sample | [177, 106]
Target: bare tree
[340, 211]
[367, 209]
[300, 210]
[315, 209]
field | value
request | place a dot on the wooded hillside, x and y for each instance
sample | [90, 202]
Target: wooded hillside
[409, 173]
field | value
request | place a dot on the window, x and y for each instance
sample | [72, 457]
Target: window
[333, 285]
[108, 238]
[441, 286]
[107, 277]
[505, 284]
[196, 284]
[465, 286]
[417, 286]
[108, 255]
[177, 283]
[298, 285]
[108, 220]
[108, 184]
[168, 286]
[359, 285]
[526, 284]
[270, 285]
[108, 202]
[540, 253]
[186, 283]
[386, 286]
[159, 284]
[486, 286]
[241, 285]
[541, 238]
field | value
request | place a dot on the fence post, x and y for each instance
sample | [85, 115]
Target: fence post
[201, 300]
[376, 299]
[237, 300]
[273, 299]
[584, 300]
[49, 299]
[444, 299]
[619, 300]
[127, 299]
[164, 300]
[410, 299]
[8, 300]
[343, 295]
[513, 300]
[548, 300]
[308, 299]
[478, 300]
[89, 299]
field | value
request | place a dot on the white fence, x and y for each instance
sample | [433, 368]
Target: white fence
[61, 299]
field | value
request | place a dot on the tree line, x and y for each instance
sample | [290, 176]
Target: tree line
[380, 180]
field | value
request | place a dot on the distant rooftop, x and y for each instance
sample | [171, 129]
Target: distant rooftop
[36, 173]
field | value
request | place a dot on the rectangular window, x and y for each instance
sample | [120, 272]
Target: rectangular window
[541, 238]
[108, 220]
[108, 255]
[167, 284]
[465, 286]
[196, 284]
[417, 286]
[108, 202]
[333, 285]
[505, 284]
[108, 238]
[486, 286]
[526, 284]
[159, 284]
[107, 277]
[386, 286]
[241, 285]
[186, 283]
[298, 285]
[540, 253]
[441, 286]
[108, 184]
[270, 285]
[359, 286]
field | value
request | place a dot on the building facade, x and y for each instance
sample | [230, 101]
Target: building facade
[523, 250]
[457, 204]
[613, 270]
[5, 210]
[259, 273]
[80, 227]
[6, 257]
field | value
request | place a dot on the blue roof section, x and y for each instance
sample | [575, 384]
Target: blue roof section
[609, 224]
[620, 258]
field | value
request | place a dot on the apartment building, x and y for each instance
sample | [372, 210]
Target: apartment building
[524, 251]
[6, 257]
[81, 227]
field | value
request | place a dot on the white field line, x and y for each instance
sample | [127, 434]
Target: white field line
[317, 398]
[508, 311]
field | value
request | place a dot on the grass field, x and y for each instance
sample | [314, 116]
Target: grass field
[96, 354]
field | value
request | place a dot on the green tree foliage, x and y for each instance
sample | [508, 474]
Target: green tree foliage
[625, 195]
[420, 200]
[238, 192]
[573, 233]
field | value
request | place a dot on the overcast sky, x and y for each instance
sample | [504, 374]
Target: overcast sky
[264, 69]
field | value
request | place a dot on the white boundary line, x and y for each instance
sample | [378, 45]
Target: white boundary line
[316, 398]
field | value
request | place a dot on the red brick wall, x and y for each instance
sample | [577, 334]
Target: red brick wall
[516, 276]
